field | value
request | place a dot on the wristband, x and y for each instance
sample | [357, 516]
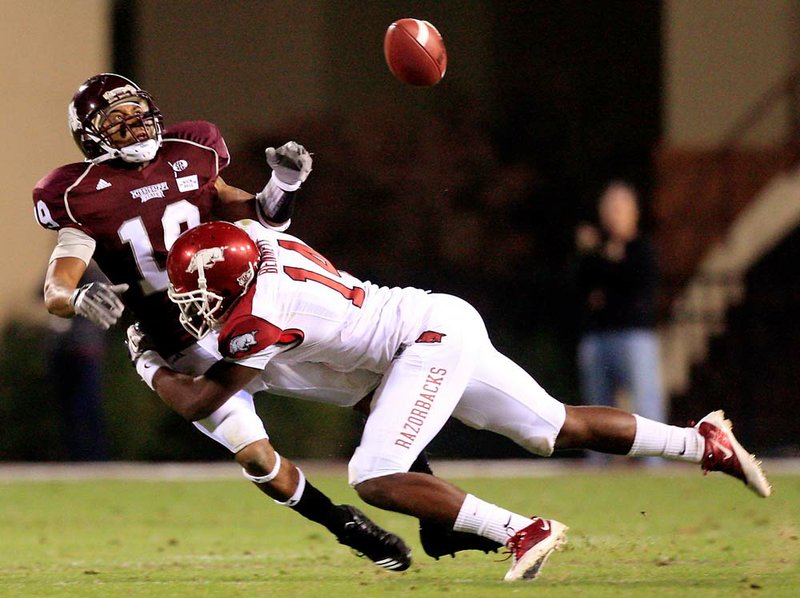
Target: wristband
[147, 366]
[274, 205]
[288, 187]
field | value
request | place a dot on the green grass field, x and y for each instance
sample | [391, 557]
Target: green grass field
[632, 534]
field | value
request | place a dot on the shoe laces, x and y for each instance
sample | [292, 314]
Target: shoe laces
[512, 544]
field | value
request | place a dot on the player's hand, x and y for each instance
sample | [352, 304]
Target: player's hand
[143, 354]
[99, 302]
[137, 342]
[291, 164]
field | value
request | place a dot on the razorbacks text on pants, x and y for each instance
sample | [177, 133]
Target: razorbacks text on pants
[422, 406]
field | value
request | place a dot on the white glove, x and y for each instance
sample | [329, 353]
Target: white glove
[99, 302]
[137, 342]
[144, 358]
[290, 163]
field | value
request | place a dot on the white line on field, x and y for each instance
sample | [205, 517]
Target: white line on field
[10, 472]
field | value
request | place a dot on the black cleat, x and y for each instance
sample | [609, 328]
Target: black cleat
[438, 541]
[381, 547]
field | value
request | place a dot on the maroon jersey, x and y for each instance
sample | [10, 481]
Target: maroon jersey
[135, 215]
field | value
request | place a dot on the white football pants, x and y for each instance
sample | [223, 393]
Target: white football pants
[461, 375]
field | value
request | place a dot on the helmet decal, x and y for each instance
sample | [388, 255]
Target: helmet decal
[245, 279]
[206, 258]
[72, 117]
[114, 95]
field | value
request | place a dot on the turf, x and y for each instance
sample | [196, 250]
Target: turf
[632, 534]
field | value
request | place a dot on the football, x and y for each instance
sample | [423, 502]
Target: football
[415, 52]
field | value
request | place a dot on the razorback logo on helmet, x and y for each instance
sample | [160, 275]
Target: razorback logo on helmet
[206, 258]
[242, 342]
[429, 336]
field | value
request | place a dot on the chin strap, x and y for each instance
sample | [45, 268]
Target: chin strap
[144, 151]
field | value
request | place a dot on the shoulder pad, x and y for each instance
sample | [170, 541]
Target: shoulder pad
[49, 206]
[54, 183]
[202, 133]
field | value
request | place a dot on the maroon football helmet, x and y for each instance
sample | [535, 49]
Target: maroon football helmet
[209, 267]
[92, 129]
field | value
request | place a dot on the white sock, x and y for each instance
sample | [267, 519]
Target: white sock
[662, 440]
[490, 521]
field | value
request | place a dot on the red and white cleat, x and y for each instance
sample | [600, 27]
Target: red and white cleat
[530, 547]
[724, 453]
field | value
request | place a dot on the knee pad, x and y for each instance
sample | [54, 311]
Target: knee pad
[234, 425]
[363, 467]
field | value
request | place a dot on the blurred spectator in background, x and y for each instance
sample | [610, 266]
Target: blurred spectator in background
[617, 279]
[75, 351]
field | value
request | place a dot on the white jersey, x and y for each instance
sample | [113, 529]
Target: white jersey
[429, 354]
[302, 309]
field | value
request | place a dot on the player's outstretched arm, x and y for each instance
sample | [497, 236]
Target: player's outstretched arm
[95, 301]
[291, 165]
[274, 204]
[192, 397]
[61, 280]
[234, 203]
[197, 397]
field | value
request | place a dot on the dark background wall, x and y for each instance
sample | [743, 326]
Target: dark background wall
[542, 102]
[571, 86]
